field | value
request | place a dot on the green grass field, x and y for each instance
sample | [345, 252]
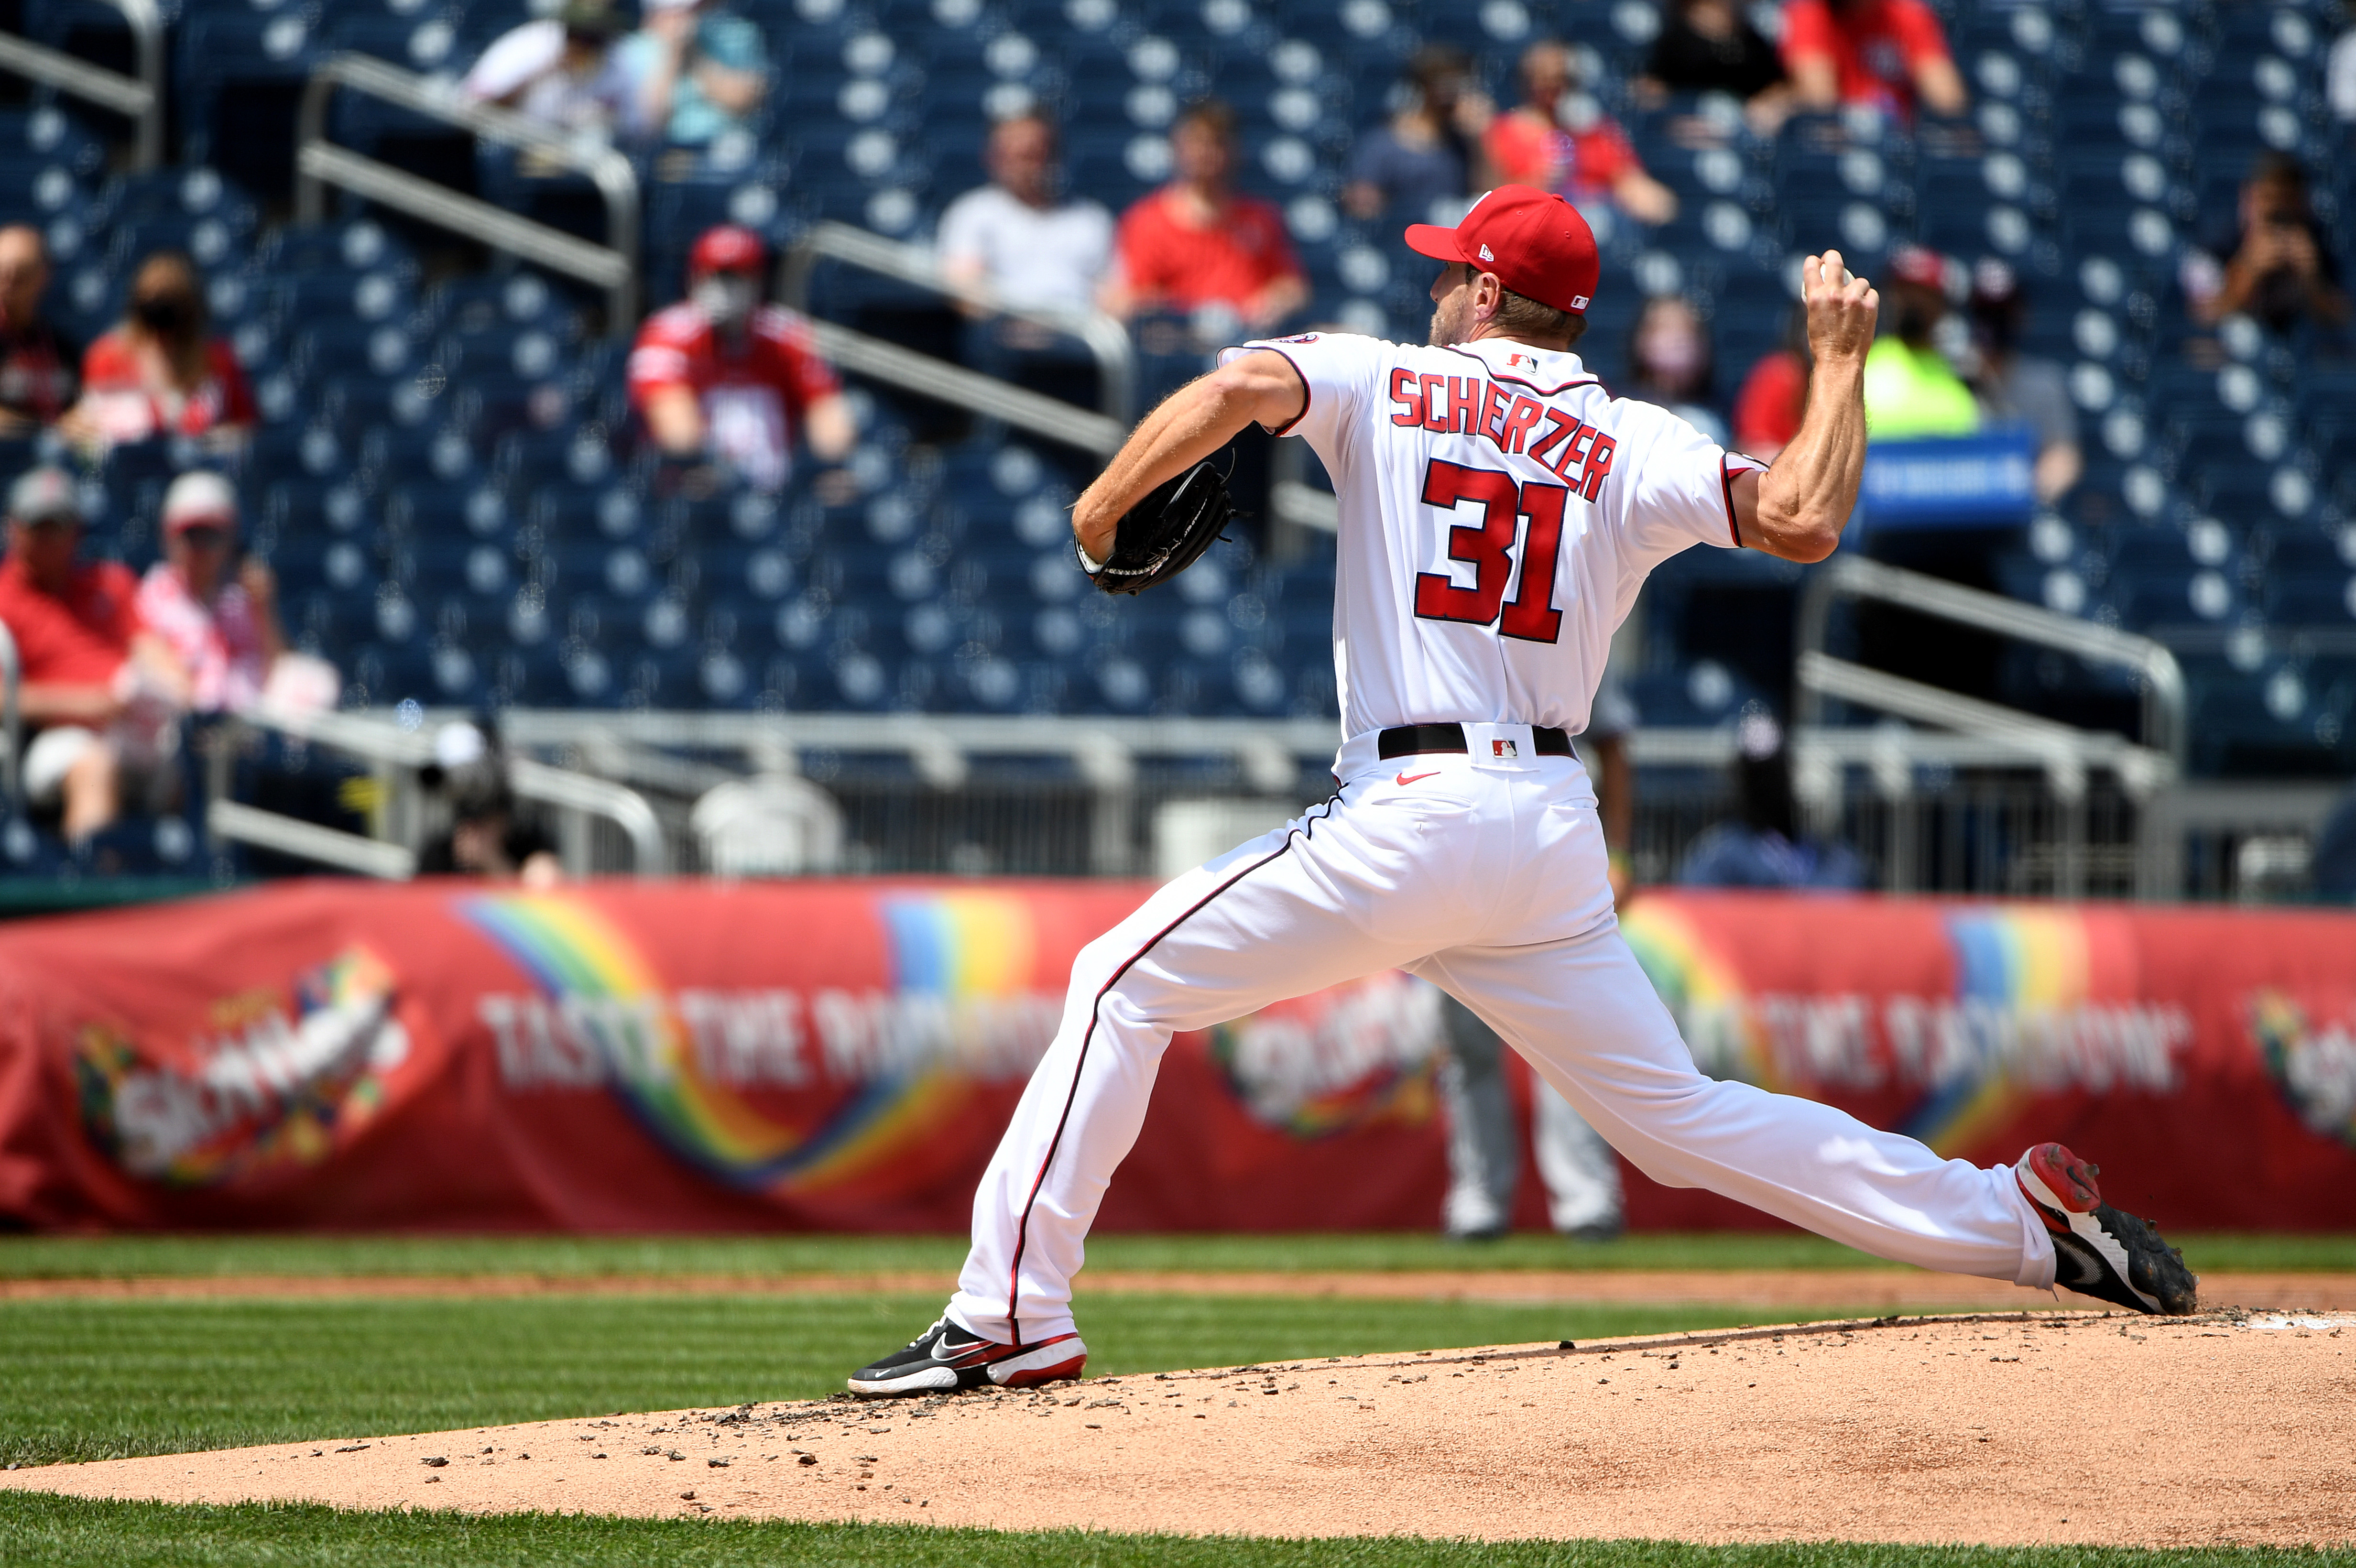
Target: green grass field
[33, 1257]
[94, 1377]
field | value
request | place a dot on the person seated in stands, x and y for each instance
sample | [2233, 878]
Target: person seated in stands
[489, 834]
[2277, 266]
[1426, 161]
[1911, 387]
[566, 72]
[698, 71]
[1557, 140]
[221, 623]
[38, 365]
[1709, 45]
[1889, 55]
[1198, 247]
[721, 378]
[1020, 235]
[2014, 388]
[1023, 239]
[1774, 396]
[1762, 845]
[1670, 363]
[160, 372]
[102, 691]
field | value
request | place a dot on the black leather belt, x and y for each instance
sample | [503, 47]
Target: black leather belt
[1413, 740]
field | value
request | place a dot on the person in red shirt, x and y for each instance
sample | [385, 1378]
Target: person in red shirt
[1774, 395]
[1556, 140]
[1890, 54]
[1196, 242]
[103, 689]
[722, 377]
[159, 373]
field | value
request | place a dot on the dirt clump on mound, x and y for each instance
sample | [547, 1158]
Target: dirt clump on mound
[2015, 1429]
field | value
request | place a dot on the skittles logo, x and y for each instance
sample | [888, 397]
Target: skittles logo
[775, 1091]
[265, 1088]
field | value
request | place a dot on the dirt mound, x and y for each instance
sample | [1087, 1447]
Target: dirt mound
[2019, 1429]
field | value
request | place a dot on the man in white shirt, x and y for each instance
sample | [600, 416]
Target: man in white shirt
[563, 71]
[1020, 237]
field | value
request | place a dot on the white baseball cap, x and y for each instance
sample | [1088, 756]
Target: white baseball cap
[199, 495]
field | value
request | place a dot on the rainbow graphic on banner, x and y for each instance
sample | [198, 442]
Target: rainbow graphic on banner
[950, 945]
[1702, 989]
[2012, 959]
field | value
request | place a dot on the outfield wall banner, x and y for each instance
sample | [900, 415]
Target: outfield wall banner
[842, 1055]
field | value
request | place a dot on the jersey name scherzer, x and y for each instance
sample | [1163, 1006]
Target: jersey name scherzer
[1499, 510]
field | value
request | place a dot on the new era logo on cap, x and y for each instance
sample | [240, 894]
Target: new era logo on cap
[1484, 254]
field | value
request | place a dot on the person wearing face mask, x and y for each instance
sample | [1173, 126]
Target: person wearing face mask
[1669, 362]
[159, 373]
[2014, 388]
[220, 618]
[1557, 140]
[1911, 386]
[722, 378]
[1426, 159]
[36, 363]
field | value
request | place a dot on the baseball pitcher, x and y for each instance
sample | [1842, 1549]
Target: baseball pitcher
[1499, 511]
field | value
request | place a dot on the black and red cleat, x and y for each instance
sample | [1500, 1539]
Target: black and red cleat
[949, 1355]
[2099, 1251]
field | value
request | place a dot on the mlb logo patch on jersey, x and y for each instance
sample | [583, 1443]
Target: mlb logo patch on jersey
[1503, 749]
[1518, 361]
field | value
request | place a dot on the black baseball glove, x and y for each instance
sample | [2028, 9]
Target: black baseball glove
[1165, 532]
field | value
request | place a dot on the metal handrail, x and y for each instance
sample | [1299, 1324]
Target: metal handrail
[139, 99]
[921, 373]
[2164, 700]
[612, 266]
[308, 840]
[382, 742]
[1106, 339]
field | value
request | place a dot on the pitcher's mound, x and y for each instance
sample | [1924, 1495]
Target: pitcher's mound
[2018, 1429]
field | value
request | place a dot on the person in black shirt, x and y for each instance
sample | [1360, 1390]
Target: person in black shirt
[1709, 45]
[2279, 266]
[38, 375]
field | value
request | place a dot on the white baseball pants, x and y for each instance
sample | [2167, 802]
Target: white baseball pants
[1485, 873]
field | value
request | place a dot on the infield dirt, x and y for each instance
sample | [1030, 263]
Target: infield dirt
[2013, 1429]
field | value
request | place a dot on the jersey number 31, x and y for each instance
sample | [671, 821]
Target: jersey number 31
[1488, 548]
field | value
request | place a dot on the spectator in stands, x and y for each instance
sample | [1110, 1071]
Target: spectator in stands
[725, 378]
[1022, 238]
[38, 365]
[222, 625]
[1709, 45]
[566, 72]
[101, 690]
[1774, 396]
[1559, 140]
[698, 70]
[2277, 266]
[1198, 245]
[489, 834]
[1761, 846]
[1889, 55]
[1911, 386]
[1426, 160]
[1670, 363]
[1020, 235]
[2014, 388]
[160, 372]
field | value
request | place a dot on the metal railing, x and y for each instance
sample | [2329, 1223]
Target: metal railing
[12, 719]
[319, 162]
[302, 840]
[138, 99]
[1097, 432]
[1856, 577]
[395, 747]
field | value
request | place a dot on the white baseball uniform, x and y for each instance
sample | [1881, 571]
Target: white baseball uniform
[1499, 511]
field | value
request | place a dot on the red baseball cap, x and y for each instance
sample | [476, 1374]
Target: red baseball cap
[727, 249]
[1537, 244]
